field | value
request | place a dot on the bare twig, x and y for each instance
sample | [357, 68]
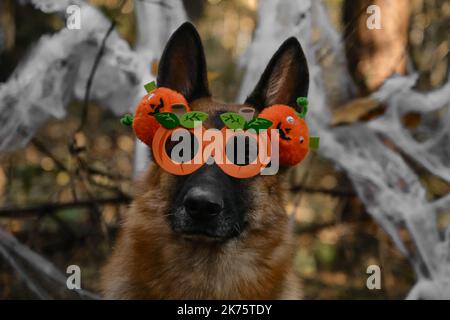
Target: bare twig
[96, 171]
[331, 192]
[42, 148]
[98, 57]
[29, 282]
[87, 93]
[48, 208]
[38, 263]
[95, 212]
[114, 189]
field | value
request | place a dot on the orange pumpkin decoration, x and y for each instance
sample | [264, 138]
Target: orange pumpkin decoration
[160, 140]
[293, 132]
[159, 100]
[165, 105]
[256, 165]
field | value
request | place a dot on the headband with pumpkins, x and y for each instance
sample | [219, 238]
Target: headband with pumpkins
[162, 110]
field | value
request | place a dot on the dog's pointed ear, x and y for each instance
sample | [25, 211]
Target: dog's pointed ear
[183, 66]
[285, 79]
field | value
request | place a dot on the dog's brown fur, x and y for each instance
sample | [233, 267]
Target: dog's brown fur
[151, 261]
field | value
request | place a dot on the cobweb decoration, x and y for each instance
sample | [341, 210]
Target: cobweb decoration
[376, 155]
[57, 68]
[54, 73]
[156, 25]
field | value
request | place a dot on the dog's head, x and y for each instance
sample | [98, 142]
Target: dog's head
[208, 204]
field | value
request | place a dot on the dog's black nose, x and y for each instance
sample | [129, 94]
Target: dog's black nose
[201, 203]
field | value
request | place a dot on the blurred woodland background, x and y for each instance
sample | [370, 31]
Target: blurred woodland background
[62, 195]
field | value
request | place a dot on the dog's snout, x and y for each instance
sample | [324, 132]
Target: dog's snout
[209, 203]
[201, 203]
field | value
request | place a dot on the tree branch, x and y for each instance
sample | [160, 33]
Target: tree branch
[44, 267]
[97, 60]
[29, 282]
[48, 208]
[332, 192]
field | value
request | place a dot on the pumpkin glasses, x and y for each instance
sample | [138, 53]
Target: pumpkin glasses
[245, 147]
[239, 153]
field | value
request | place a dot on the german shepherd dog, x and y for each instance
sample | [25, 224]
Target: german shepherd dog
[208, 235]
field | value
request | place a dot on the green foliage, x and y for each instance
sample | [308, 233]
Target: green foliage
[314, 142]
[168, 120]
[303, 104]
[188, 119]
[149, 87]
[233, 120]
[127, 120]
[258, 124]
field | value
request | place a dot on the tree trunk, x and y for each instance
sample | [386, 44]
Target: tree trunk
[7, 25]
[374, 54]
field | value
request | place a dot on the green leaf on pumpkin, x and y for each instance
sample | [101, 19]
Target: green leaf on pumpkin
[127, 120]
[302, 103]
[189, 118]
[258, 124]
[149, 87]
[233, 120]
[314, 142]
[168, 120]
